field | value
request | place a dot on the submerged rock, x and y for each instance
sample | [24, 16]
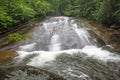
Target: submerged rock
[26, 73]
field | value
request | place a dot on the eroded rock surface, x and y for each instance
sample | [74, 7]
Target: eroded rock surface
[26, 73]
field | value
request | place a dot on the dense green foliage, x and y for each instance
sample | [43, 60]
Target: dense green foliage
[14, 12]
[103, 11]
[17, 37]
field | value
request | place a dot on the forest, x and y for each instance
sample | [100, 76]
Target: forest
[15, 12]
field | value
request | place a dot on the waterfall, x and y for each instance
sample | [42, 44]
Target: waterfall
[69, 51]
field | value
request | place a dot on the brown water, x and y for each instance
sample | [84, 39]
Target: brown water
[7, 56]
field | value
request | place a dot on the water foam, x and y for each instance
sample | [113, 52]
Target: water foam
[99, 53]
[48, 56]
[42, 58]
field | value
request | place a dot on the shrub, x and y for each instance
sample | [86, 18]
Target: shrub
[17, 37]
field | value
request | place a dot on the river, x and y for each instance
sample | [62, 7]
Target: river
[67, 47]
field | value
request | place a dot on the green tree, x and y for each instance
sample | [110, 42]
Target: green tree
[39, 6]
[5, 20]
[21, 11]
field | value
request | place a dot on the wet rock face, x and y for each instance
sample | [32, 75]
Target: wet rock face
[6, 56]
[115, 27]
[111, 35]
[115, 38]
[26, 73]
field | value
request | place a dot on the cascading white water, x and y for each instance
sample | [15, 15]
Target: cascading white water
[83, 34]
[55, 44]
[89, 51]
[69, 39]
[28, 47]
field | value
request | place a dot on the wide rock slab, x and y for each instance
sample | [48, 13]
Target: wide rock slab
[26, 73]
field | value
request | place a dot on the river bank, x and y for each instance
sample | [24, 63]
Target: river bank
[111, 35]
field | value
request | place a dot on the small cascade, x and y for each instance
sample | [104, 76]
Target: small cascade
[55, 44]
[83, 35]
[66, 22]
[28, 47]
